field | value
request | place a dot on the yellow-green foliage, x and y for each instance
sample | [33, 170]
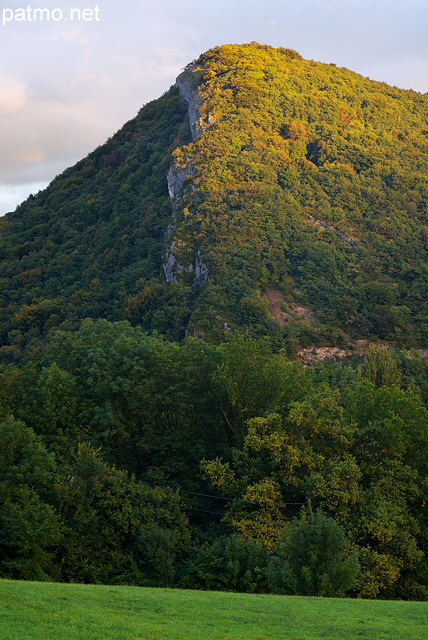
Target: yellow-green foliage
[305, 178]
[312, 171]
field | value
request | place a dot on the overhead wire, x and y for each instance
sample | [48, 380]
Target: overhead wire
[122, 477]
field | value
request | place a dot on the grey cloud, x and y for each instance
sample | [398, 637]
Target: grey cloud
[67, 87]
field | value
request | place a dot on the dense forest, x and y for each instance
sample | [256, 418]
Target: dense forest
[159, 421]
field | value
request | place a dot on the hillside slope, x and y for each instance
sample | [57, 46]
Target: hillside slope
[297, 208]
[306, 182]
[265, 207]
[79, 247]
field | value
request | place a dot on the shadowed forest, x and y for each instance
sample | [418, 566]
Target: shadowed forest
[159, 422]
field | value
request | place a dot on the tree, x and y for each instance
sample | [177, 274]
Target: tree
[29, 526]
[381, 368]
[255, 381]
[315, 559]
[285, 459]
[118, 530]
[229, 563]
[388, 523]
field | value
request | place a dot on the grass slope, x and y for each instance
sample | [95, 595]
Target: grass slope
[46, 611]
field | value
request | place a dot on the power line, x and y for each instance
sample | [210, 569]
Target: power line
[215, 513]
[154, 486]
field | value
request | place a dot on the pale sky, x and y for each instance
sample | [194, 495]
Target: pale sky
[67, 84]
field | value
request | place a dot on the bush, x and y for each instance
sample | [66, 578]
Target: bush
[230, 563]
[314, 559]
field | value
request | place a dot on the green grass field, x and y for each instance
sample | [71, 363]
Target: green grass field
[46, 611]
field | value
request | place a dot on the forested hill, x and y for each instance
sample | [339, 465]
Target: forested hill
[299, 212]
[96, 235]
[309, 187]
[156, 424]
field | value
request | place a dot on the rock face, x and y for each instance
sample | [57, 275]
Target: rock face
[190, 94]
[201, 271]
[316, 354]
[331, 227]
[170, 265]
[176, 178]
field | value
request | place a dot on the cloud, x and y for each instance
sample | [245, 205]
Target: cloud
[12, 196]
[43, 129]
[13, 95]
[69, 86]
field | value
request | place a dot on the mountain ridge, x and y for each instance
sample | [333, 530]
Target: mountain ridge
[296, 133]
[172, 433]
[258, 170]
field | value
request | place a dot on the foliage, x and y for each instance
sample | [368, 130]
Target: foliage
[121, 411]
[320, 175]
[116, 529]
[380, 367]
[315, 559]
[167, 433]
[227, 564]
[305, 178]
[29, 526]
[94, 237]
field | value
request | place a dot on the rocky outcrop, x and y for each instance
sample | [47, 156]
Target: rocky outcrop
[201, 271]
[316, 354]
[331, 227]
[189, 92]
[176, 178]
[171, 266]
[310, 355]
[173, 269]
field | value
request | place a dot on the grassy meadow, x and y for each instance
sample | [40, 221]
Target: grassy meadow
[48, 611]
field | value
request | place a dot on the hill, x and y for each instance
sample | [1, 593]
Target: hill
[95, 235]
[298, 210]
[157, 424]
[307, 184]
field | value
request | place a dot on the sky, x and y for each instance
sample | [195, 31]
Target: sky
[73, 72]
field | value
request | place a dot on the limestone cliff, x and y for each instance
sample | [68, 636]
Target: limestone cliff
[176, 178]
[188, 90]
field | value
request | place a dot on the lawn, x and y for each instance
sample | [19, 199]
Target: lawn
[48, 611]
